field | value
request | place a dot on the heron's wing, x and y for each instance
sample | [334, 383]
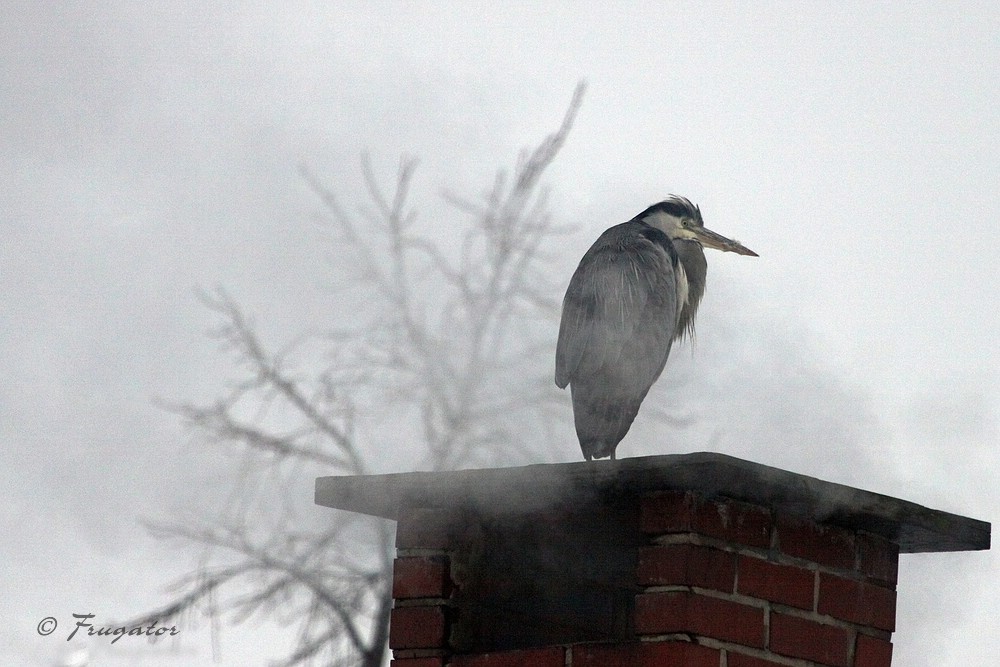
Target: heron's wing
[619, 278]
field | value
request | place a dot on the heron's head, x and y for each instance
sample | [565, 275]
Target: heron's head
[681, 220]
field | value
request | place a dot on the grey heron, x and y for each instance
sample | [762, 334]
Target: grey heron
[635, 292]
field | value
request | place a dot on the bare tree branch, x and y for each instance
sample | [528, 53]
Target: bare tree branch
[451, 343]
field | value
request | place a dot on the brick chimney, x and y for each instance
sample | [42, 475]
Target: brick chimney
[697, 560]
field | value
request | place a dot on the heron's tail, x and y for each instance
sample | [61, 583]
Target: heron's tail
[601, 420]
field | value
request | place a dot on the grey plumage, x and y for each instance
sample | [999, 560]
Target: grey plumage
[634, 293]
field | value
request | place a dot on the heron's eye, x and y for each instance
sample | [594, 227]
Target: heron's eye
[685, 222]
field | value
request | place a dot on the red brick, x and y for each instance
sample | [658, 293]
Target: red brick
[701, 615]
[827, 545]
[552, 656]
[416, 627]
[742, 660]
[417, 662]
[872, 652]
[686, 565]
[802, 638]
[645, 654]
[424, 527]
[420, 577]
[684, 512]
[857, 601]
[667, 512]
[784, 584]
[878, 558]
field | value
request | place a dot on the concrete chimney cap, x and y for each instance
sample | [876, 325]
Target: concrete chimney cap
[545, 486]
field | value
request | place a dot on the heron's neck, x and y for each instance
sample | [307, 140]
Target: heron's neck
[692, 259]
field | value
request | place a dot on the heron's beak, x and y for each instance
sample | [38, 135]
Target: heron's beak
[710, 239]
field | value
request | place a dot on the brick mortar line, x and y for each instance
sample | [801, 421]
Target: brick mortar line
[421, 552]
[727, 647]
[403, 603]
[668, 637]
[824, 619]
[771, 555]
[770, 607]
[767, 626]
[815, 604]
[708, 592]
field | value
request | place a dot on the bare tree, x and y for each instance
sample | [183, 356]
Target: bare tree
[455, 346]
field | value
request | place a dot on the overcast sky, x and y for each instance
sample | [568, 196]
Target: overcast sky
[147, 151]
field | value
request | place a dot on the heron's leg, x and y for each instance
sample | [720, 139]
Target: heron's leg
[612, 455]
